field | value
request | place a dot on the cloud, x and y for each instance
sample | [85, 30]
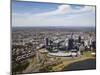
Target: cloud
[67, 9]
[64, 15]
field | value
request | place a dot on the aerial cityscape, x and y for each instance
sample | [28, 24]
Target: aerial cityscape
[49, 37]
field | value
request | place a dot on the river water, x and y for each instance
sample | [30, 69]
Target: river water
[82, 65]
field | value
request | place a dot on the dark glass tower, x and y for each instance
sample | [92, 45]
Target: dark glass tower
[70, 43]
[79, 39]
[47, 41]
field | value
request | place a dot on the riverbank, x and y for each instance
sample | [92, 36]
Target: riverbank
[56, 64]
[81, 63]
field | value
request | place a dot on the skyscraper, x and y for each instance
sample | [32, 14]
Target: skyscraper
[70, 43]
[79, 39]
[47, 40]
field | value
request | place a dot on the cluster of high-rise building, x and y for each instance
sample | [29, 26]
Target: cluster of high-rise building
[72, 41]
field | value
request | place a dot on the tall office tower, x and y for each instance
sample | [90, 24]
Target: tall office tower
[66, 42]
[70, 43]
[94, 44]
[79, 39]
[50, 43]
[47, 41]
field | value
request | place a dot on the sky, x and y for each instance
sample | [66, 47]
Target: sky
[51, 14]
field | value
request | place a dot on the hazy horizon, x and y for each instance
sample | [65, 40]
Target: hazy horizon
[54, 26]
[57, 28]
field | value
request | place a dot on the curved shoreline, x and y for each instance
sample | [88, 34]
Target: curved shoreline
[81, 65]
[60, 67]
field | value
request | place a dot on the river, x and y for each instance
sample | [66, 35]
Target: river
[81, 65]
